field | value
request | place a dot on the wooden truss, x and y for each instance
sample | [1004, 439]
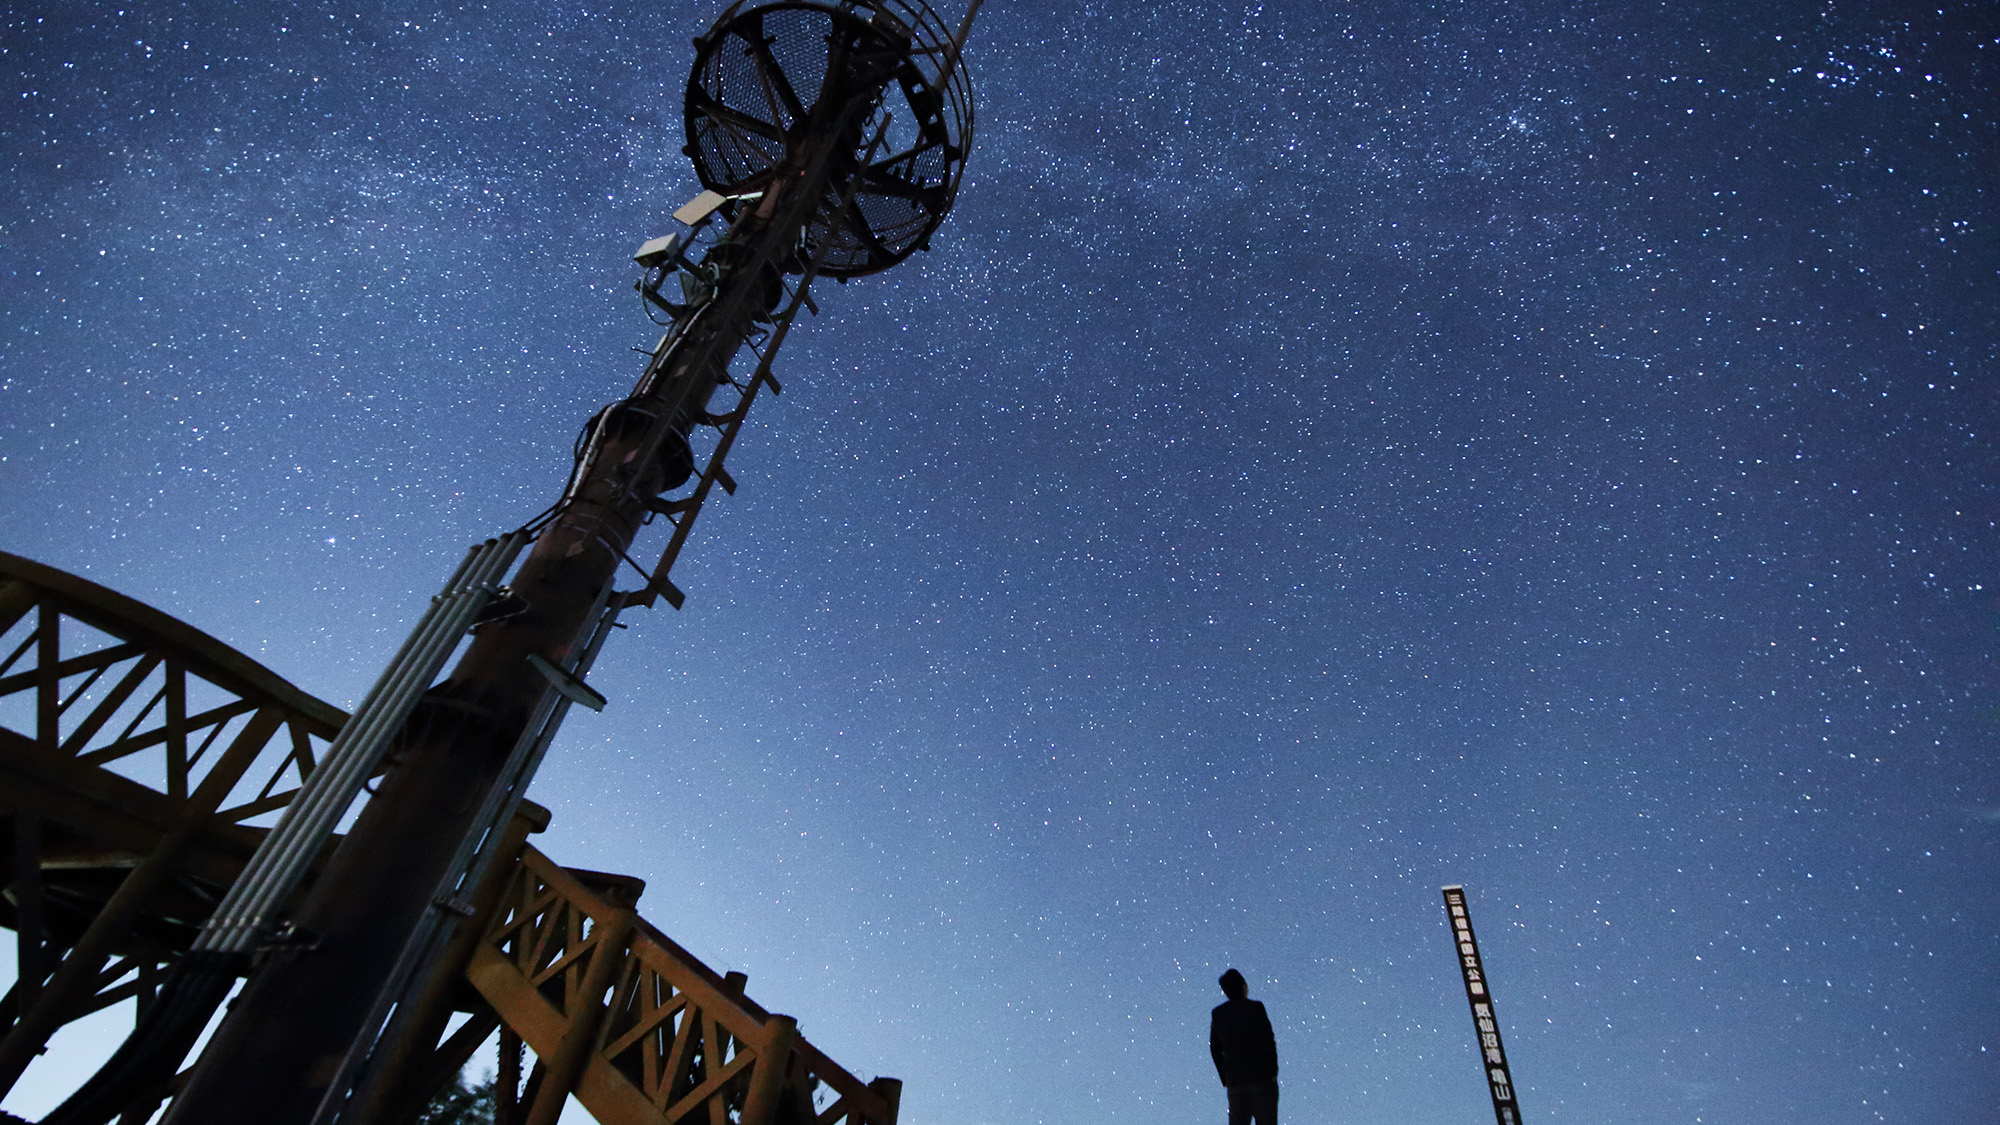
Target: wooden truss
[142, 760]
[139, 761]
[640, 1030]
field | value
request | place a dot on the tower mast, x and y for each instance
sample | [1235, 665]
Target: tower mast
[830, 135]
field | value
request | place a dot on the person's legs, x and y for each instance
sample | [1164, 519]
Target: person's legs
[1240, 1105]
[1264, 1107]
[1254, 1104]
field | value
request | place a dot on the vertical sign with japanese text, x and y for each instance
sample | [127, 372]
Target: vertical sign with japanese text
[1499, 1080]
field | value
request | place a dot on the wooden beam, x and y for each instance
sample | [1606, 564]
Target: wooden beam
[607, 942]
[30, 922]
[112, 701]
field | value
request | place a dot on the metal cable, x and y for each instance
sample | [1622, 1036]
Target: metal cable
[274, 871]
[475, 853]
[142, 1065]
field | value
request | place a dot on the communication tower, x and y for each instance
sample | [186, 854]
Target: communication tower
[829, 137]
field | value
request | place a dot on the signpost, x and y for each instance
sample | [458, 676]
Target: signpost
[1499, 1080]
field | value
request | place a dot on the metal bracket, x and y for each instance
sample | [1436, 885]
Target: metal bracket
[567, 685]
[287, 937]
[454, 904]
[507, 602]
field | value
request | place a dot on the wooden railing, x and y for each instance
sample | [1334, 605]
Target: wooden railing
[641, 1031]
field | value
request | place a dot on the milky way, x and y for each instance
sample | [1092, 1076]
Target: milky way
[1333, 451]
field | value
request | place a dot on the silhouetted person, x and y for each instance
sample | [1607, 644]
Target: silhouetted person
[1245, 1053]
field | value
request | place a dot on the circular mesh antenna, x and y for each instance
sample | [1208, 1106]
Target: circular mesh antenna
[762, 70]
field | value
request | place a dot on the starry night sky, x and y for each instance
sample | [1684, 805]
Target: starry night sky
[1335, 449]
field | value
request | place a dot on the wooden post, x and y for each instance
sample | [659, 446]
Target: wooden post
[767, 1078]
[31, 929]
[891, 1092]
[507, 1079]
[566, 1065]
[74, 978]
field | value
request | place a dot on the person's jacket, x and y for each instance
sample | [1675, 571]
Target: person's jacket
[1240, 1041]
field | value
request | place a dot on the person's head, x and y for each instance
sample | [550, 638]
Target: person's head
[1233, 985]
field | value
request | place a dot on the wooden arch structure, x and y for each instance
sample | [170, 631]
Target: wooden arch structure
[138, 758]
[141, 761]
